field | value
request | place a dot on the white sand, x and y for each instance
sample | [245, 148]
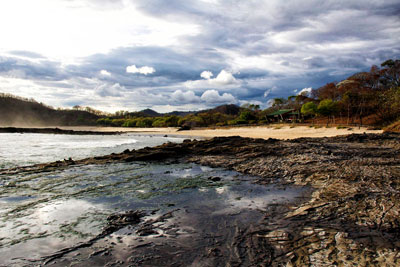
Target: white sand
[276, 131]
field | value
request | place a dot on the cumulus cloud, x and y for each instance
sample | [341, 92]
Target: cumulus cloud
[224, 79]
[305, 91]
[142, 70]
[105, 73]
[213, 96]
[206, 74]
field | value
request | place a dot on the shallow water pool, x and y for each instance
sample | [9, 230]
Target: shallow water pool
[45, 212]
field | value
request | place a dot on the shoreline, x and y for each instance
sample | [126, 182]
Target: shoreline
[55, 130]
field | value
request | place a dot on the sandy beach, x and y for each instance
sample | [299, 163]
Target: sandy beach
[265, 132]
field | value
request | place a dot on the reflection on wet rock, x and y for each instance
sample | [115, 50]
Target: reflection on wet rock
[95, 212]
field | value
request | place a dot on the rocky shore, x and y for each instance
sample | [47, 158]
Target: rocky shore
[350, 219]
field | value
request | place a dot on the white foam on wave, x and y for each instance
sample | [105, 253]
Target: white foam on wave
[93, 144]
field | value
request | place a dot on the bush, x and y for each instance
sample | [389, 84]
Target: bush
[341, 127]
[246, 116]
[130, 123]
[394, 127]
[117, 122]
[144, 122]
[159, 122]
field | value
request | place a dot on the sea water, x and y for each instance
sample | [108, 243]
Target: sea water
[27, 148]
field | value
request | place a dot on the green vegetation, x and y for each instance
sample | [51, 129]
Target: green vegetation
[374, 95]
[341, 127]
[21, 111]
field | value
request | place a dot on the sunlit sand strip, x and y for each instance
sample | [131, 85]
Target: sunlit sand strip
[276, 131]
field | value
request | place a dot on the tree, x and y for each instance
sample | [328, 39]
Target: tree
[309, 109]
[254, 107]
[327, 107]
[279, 102]
[390, 74]
[246, 116]
[171, 121]
[329, 90]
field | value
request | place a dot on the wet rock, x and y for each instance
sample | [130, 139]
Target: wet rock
[215, 179]
[118, 221]
[146, 231]
[351, 217]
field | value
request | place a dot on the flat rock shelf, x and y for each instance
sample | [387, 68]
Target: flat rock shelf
[303, 202]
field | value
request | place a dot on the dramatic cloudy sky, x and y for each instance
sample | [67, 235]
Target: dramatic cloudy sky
[185, 54]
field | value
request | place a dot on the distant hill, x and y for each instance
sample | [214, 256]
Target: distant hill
[145, 113]
[17, 111]
[224, 109]
[180, 113]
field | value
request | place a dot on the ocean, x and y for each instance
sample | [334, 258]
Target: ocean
[27, 149]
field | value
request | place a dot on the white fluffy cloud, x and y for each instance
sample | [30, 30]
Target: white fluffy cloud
[206, 74]
[142, 70]
[213, 96]
[224, 79]
[305, 91]
[105, 73]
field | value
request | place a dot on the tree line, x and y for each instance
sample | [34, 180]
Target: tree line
[374, 95]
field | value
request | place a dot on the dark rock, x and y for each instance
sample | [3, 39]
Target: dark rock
[214, 179]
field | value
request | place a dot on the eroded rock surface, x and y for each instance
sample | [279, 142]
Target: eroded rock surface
[351, 219]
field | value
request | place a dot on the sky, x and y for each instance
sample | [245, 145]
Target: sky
[187, 55]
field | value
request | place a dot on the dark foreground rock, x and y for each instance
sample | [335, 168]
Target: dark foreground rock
[52, 131]
[351, 219]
